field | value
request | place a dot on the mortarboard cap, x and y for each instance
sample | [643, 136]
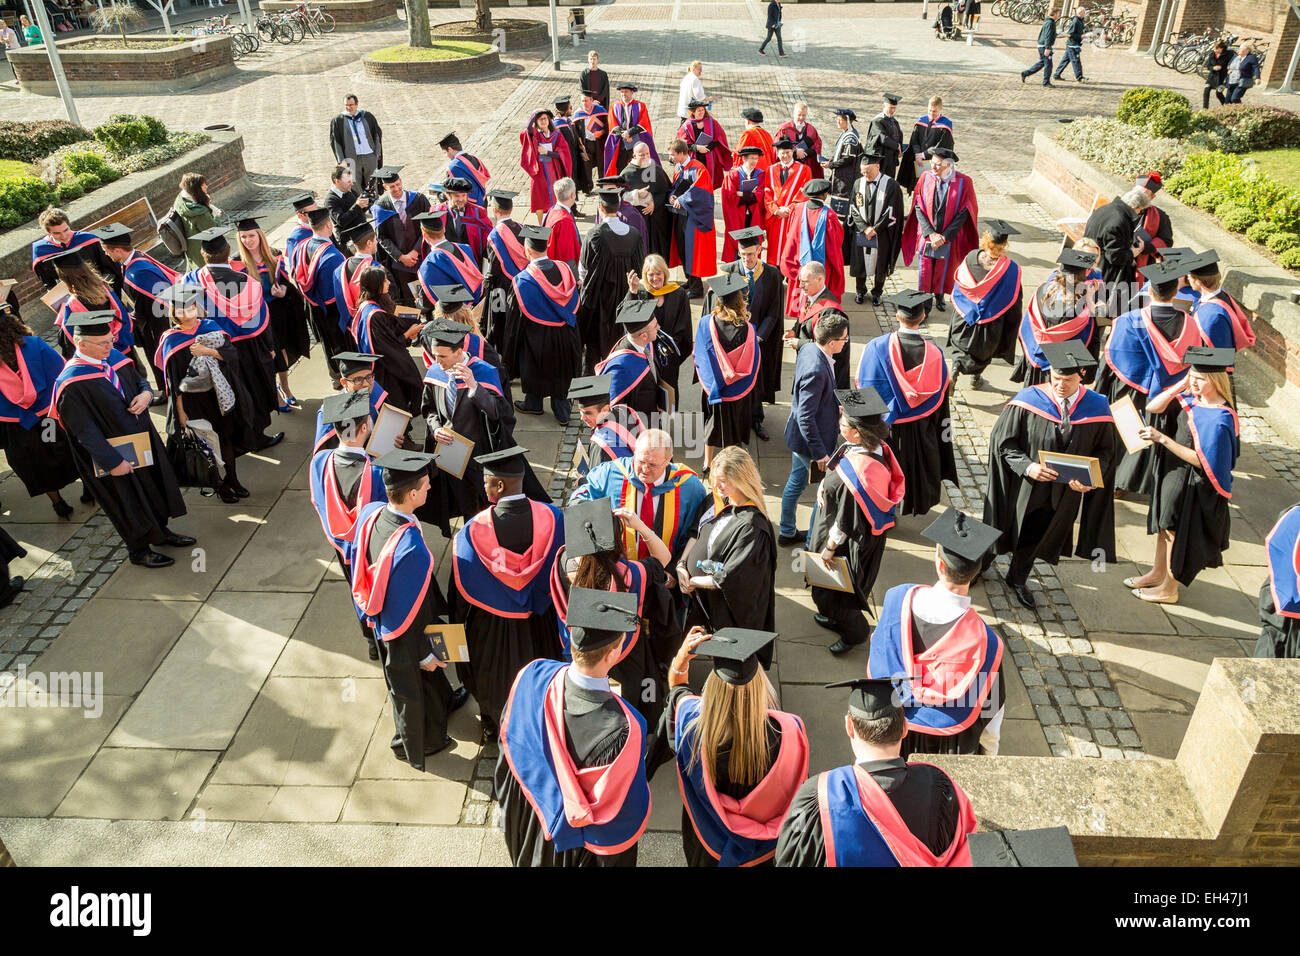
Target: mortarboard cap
[749, 236]
[345, 407]
[752, 114]
[635, 314]
[1205, 264]
[750, 151]
[448, 140]
[1000, 229]
[506, 463]
[611, 181]
[535, 236]
[67, 257]
[457, 184]
[388, 174]
[302, 202]
[1150, 181]
[436, 188]
[735, 652]
[402, 468]
[1203, 358]
[214, 239]
[869, 158]
[182, 295]
[452, 297]
[589, 528]
[114, 234]
[943, 152]
[874, 698]
[727, 283]
[502, 195]
[1070, 356]
[696, 104]
[442, 332]
[609, 192]
[561, 102]
[349, 362]
[592, 390]
[1076, 259]
[318, 216]
[248, 224]
[596, 618]
[431, 220]
[1162, 272]
[961, 535]
[96, 322]
[844, 111]
[359, 232]
[1175, 252]
[817, 187]
[910, 302]
[891, 98]
[783, 144]
[862, 403]
[626, 86]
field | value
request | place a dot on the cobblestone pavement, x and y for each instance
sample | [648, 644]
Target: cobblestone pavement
[232, 700]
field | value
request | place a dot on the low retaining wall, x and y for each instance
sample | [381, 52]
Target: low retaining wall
[1066, 185]
[184, 66]
[418, 71]
[518, 35]
[221, 161]
[348, 15]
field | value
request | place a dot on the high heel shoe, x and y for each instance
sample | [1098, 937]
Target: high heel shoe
[62, 509]
[289, 404]
[227, 494]
[239, 490]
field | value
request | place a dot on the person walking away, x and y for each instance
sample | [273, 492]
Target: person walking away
[773, 27]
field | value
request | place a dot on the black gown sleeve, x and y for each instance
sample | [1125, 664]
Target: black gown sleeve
[80, 424]
[1008, 441]
[801, 842]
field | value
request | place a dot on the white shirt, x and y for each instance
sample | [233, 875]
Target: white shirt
[356, 451]
[86, 358]
[9, 38]
[360, 140]
[691, 89]
[510, 498]
[654, 502]
[589, 683]
[938, 605]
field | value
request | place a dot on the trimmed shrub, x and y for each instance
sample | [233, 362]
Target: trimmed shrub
[67, 191]
[30, 142]
[1236, 218]
[176, 144]
[1171, 120]
[126, 133]
[1280, 242]
[1261, 231]
[1122, 149]
[1290, 259]
[1141, 105]
[1211, 199]
[1243, 129]
[22, 198]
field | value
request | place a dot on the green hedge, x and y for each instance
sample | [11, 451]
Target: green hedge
[1152, 108]
[1242, 129]
[30, 142]
[1123, 149]
[22, 198]
[125, 133]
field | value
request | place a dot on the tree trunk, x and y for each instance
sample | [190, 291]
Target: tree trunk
[417, 23]
[482, 16]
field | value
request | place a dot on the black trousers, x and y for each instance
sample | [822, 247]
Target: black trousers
[780, 47]
[842, 608]
[1212, 87]
[1031, 535]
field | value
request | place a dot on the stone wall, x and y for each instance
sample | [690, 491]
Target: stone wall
[187, 64]
[421, 70]
[348, 14]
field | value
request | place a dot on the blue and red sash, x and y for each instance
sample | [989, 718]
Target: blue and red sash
[119, 325]
[27, 392]
[861, 826]
[326, 433]
[1142, 358]
[627, 367]
[467, 167]
[616, 435]
[146, 275]
[544, 302]
[473, 346]
[604, 809]
[812, 247]
[633, 581]
[1283, 546]
[502, 582]
[45, 247]
[336, 518]
[477, 226]
[926, 123]
[78, 370]
[510, 251]
[738, 832]
[989, 299]
[1087, 406]
[390, 593]
[243, 315]
[1034, 331]
[313, 266]
[876, 486]
[484, 374]
[597, 120]
[360, 327]
[1223, 322]
[911, 394]
[383, 212]
[175, 339]
[347, 288]
[953, 677]
[297, 235]
[725, 376]
[1214, 439]
[442, 266]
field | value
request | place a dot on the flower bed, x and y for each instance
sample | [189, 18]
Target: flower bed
[506, 34]
[176, 64]
[445, 60]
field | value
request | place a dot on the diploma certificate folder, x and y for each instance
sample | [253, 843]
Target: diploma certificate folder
[390, 424]
[448, 642]
[834, 576]
[1082, 468]
[137, 449]
[454, 458]
[1127, 423]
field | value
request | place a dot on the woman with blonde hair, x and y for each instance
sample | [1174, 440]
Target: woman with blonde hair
[283, 301]
[740, 760]
[988, 304]
[90, 292]
[1193, 476]
[672, 311]
[1061, 309]
[728, 567]
[727, 362]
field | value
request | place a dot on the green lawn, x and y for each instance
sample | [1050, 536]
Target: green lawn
[13, 167]
[1281, 165]
[441, 50]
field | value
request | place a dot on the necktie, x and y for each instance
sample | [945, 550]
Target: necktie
[452, 386]
[784, 170]
[871, 200]
[401, 208]
[1065, 420]
[749, 277]
[648, 516]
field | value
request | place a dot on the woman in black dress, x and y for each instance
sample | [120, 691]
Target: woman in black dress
[727, 342]
[283, 301]
[673, 312]
[381, 331]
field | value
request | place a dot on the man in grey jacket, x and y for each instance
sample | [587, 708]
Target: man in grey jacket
[1046, 40]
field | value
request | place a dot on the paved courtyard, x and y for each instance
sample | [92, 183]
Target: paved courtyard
[240, 722]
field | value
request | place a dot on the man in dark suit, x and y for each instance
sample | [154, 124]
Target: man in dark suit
[812, 430]
[356, 139]
[1113, 226]
[399, 232]
[773, 26]
[347, 210]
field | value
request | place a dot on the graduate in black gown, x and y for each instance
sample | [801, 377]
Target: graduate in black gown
[675, 335]
[987, 304]
[930, 131]
[571, 779]
[876, 219]
[505, 257]
[502, 561]
[740, 760]
[100, 396]
[614, 428]
[381, 331]
[855, 510]
[1029, 502]
[649, 189]
[610, 250]
[884, 136]
[1189, 511]
[1279, 597]
[395, 588]
[727, 364]
[1064, 307]
[632, 363]
[914, 814]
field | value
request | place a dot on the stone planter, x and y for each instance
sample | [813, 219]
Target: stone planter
[512, 34]
[419, 71]
[349, 15]
[183, 66]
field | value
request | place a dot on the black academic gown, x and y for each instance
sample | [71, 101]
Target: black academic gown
[397, 238]
[42, 466]
[730, 422]
[884, 139]
[745, 595]
[1037, 518]
[1055, 311]
[595, 733]
[499, 647]
[288, 324]
[922, 794]
[767, 314]
[396, 371]
[922, 140]
[660, 221]
[1112, 225]
[421, 699]
[139, 503]
[348, 471]
[923, 446]
[976, 346]
[547, 357]
[1184, 501]
[607, 258]
[673, 313]
[644, 397]
[880, 208]
[580, 174]
[148, 322]
[255, 369]
[862, 550]
[499, 297]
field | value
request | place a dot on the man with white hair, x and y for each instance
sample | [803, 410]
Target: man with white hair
[564, 244]
[1113, 226]
[667, 496]
[648, 190]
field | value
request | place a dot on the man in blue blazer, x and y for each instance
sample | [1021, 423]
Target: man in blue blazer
[812, 430]
[773, 26]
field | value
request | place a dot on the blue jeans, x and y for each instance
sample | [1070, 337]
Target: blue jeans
[780, 48]
[794, 487]
[1044, 63]
[1071, 56]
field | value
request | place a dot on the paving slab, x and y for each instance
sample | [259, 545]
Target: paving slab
[139, 784]
[1096, 596]
[200, 693]
[405, 801]
[40, 540]
[124, 641]
[304, 731]
[287, 553]
[125, 843]
[234, 802]
[1023, 738]
[1219, 603]
[323, 644]
[19, 509]
[456, 763]
[1162, 734]
[221, 536]
[1153, 673]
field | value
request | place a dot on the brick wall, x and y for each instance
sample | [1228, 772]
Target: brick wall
[346, 13]
[90, 67]
[470, 66]
[1277, 834]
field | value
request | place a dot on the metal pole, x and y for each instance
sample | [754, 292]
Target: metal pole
[925, 6]
[56, 65]
[1155, 34]
[555, 38]
[1295, 56]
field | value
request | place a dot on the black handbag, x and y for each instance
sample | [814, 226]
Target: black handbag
[193, 461]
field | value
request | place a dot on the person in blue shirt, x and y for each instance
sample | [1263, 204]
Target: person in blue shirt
[1073, 46]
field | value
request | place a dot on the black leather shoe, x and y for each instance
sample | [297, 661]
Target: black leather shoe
[372, 650]
[152, 559]
[11, 591]
[1023, 595]
[227, 495]
[62, 509]
[173, 540]
[858, 298]
[786, 540]
[438, 748]
[939, 304]
[458, 698]
[875, 300]
[270, 441]
[761, 432]
[841, 647]
[823, 621]
[239, 490]
[529, 409]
